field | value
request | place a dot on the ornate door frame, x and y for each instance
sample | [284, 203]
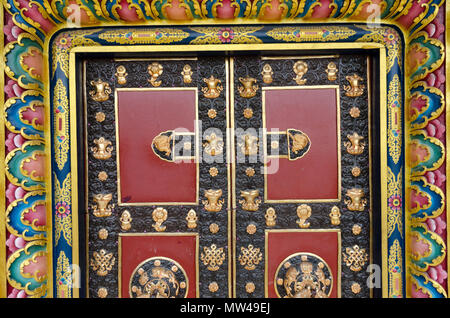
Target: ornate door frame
[46, 35]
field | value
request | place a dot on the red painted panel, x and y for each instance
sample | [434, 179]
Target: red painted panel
[314, 112]
[280, 245]
[136, 249]
[142, 115]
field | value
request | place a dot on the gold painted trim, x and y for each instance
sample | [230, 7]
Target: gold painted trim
[338, 127]
[74, 167]
[233, 170]
[266, 262]
[300, 57]
[230, 211]
[447, 121]
[197, 254]
[138, 59]
[222, 48]
[196, 128]
[3, 289]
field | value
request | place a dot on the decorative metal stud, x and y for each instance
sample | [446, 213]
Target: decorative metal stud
[251, 229]
[102, 292]
[250, 172]
[356, 229]
[213, 287]
[356, 171]
[355, 112]
[213, 171]
[102, 176]
[212, 113]
[248, 113]
[250, 287]
[100, 117]
[356, 288]
[103, 234]
[214, 228]
[213, 145]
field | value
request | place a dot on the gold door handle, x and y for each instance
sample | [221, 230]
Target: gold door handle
[291, 144]
[172, 145]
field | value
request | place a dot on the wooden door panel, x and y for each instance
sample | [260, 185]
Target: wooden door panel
[157, 180]
[302, 194]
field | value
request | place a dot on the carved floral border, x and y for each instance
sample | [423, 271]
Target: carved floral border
[28, 26]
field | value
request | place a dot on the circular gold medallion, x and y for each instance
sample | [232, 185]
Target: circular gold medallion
[213, 171]
[212, 113]
[102, 292]
[248, 113]
[356, 171]
[100, 117]
[250, 287]
[356, 229]
[214, 228]
[103, 234]
[158, 277]
[303, 275]
[356, 288]
[355, 112]
[213, 287]
[251, 229]
[102, 175]
[250, 172]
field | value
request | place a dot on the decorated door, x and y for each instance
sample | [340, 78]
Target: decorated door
[218, 177]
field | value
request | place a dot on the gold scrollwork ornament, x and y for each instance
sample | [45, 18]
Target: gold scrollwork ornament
[191, 219]
[103, 149]
[303, 212]
[102, 208]
[300, 69]
[121, 74]
[213, 87]
[250, 257]
[101, 92]
[212, 257]
[155, 70]
[356, 202]
[355, 89]
[248, 88]
[213, 202]
[250, 201]
[102, 262]
[354, 145]
[267, 74]
[355, 258]
[159, 215]
[125, 220]
[187, 74]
